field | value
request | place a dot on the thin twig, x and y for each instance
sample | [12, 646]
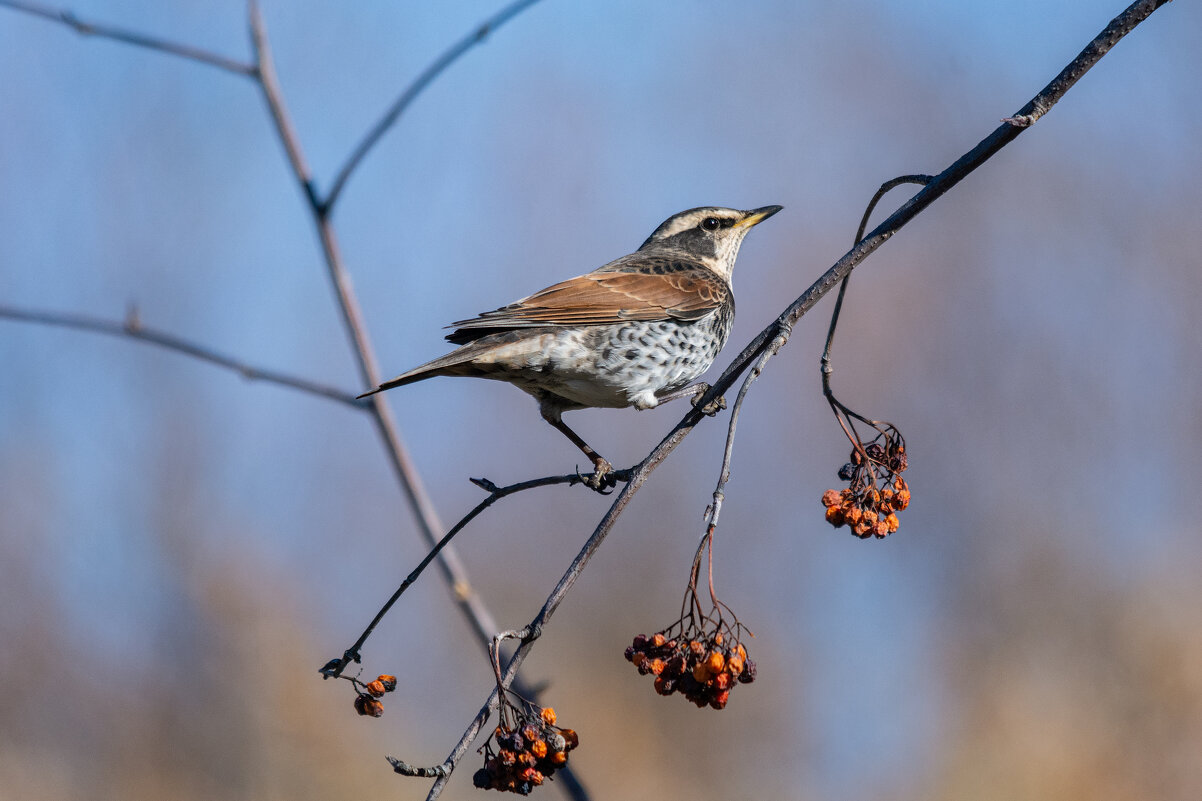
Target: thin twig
[275, 103]
[333, 668]
[85, 28]
[410, 93]
[1039, 105]
[841, 411]
[715, 508]
[880, 193]
[133, 328]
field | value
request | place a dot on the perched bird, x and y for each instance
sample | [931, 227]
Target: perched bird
[632, 333]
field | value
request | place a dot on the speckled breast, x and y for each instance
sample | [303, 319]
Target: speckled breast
[633, 363]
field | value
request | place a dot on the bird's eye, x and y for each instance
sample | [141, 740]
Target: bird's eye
[711, 224]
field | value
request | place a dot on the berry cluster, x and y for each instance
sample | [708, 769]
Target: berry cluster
[368, 702]
[877, 492]
[702, 667]
[529, 749]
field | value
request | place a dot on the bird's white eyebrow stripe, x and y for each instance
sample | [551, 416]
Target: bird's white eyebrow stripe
[685, 223]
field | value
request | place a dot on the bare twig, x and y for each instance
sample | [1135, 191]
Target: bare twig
[410, 93]
[132, 327]
[85, 28]
[1039, 105]
[843, 414]
[334, 668]
[429, 525]
[715, 509]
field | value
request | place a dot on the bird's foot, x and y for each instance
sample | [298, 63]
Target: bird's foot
[713, 407]
[603, 479]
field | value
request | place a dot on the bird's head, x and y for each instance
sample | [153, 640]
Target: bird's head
[710, 234]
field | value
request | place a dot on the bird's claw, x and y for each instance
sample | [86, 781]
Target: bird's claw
[602, 479]
[713, 407]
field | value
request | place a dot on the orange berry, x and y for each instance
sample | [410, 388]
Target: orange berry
[892, 523]
[539, 749]
[638, 658]
[853, 515]
[719, 700]
[701, 672]
[658, 640]
[559, 757]
[734, 666]
[903, 499]
[741, 651]
[389, 682]
[657, 667]
[722, 680]
[830, 498]
[366, 705]
[717, 638]
[548, 716]
[900, 484]
[834, 516]
[376, 688]
[715, 662]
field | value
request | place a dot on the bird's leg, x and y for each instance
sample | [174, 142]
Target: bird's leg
[695, 392]
[602, 476]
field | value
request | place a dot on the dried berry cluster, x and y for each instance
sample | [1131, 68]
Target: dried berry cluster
[704, 668]
[368, 702]
[529, 749]
[877, 492]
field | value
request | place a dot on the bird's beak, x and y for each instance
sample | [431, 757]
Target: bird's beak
[757, 216]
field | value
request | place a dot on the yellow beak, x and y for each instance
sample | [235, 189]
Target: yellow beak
[757, 216]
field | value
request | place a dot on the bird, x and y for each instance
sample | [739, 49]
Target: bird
[634, 332]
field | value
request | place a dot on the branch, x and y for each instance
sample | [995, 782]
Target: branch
[333, 669]
[452, 54]
[131, 37]
[762, 345]
[132, 327]
[454, 573]
[715, 510]
[429, 525]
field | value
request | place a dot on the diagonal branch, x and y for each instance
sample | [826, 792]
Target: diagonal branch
[763, 342]
[449, 57]
[429, 525]
[132, 327]
[131, 37]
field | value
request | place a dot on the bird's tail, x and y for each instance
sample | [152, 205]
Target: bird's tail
[457, 362]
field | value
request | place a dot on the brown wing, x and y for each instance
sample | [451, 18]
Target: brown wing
[676, 290]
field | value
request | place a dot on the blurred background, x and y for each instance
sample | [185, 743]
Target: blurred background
[180, 549]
